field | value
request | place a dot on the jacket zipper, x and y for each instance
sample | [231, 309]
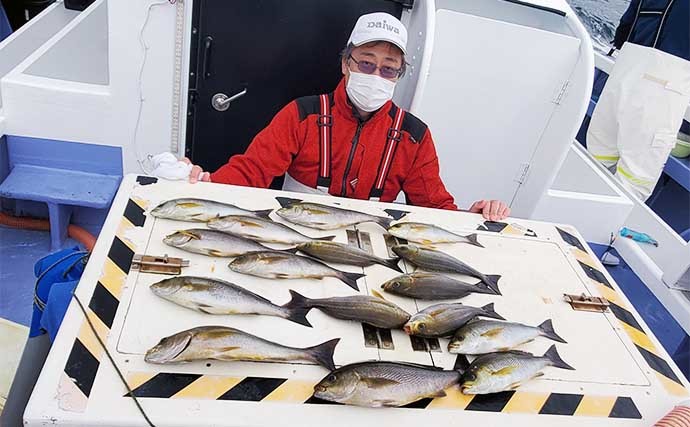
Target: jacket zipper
[355, 141]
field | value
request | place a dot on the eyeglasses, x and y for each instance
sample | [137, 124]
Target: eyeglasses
[369, 68]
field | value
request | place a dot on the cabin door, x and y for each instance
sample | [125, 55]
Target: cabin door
[249, 58]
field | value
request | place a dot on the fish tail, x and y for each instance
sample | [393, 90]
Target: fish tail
[298, 315]
[555, 358]
[350, 279]
[324, 238]
[547, 330]
[472, 239]
[263, 213]
[383, 221]
[298, 301]
[392, 263]
[489, 312]
[492, 282]
[323, 353]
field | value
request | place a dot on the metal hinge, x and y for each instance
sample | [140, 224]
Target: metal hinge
[561, 93]
[523, 171]
[158, 264]
[587, 303]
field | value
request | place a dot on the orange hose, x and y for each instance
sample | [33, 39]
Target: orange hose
[77, 233]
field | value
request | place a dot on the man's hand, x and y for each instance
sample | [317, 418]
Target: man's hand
[197, 174]
[493, 210]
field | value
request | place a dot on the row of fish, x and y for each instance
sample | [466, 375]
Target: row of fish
[381, 384]
[214, 296]
[255, 259]
[257, 226]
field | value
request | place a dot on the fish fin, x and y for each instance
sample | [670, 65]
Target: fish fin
[188, 205]
[297, 301]
[472, 240]
[216, 253]
[263, 213]
[505, 371]
[514, 386]
[392, 263]
[378, 382]
[377, 294]
[492, 332]
[248, 222]
[492, 283]
[324, 238]
[383, 221]
[299, 315]
[189, 234]
[380, 403]
[226, 349]
[555, 358]
[323, 353]
[537, 375]
[290, 250]
[440, 393]
[350, 279]
[488, 311]
[547, 330]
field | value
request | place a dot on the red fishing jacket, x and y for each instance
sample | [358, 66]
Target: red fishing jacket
[320, 142]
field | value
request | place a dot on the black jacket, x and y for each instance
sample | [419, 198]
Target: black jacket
[662, 24]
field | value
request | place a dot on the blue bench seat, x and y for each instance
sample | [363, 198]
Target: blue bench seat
[61, 190]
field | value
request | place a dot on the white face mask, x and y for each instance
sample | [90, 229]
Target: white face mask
[369, 92]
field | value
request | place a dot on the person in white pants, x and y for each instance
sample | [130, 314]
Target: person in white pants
[635, 124]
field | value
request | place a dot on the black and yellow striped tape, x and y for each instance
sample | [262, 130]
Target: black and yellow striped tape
[505, 228]
[257, 389]
[634, 330]
[85, 357]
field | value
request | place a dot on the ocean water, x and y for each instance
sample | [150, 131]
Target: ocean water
[601, 18]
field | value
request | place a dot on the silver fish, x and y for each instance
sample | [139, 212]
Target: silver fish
[428, 234]
[374, 311]
[441, 320]
[223, 343]
[488, 336]
[495, 372]
[432, 286]
[281, 265]
[212, 243]
[213, 296]
[324, 217]
[346, 254]
[381, 384]
[261, 229]
[200, 210]
[433, 260]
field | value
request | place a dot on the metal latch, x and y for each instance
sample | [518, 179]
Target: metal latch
[587, 303]
[157, 264]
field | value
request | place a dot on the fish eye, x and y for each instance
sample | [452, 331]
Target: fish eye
[421, 326]
[396, 285]
[471, 376]
[459, 337]
[332, 378]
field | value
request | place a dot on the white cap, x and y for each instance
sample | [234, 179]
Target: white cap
[379, 26]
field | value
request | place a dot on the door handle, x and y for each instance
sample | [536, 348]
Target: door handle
[206, 69]
[221, 101]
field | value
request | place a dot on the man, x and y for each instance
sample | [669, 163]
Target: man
[661, 24]
[353, 142]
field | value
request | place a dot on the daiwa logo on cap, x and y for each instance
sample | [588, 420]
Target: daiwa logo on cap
[379, 26]
[384, 25]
